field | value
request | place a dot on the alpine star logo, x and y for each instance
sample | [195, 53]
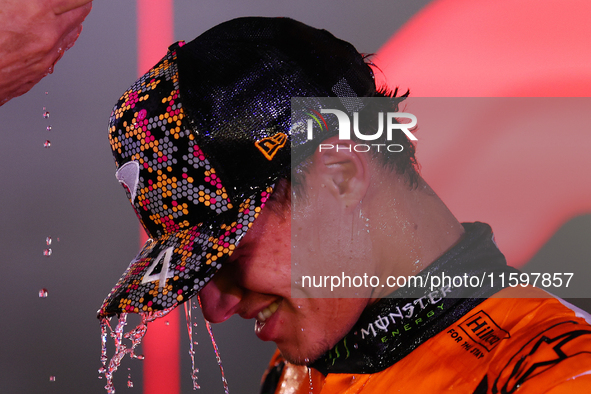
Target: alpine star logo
[564, 343]
[269, 146]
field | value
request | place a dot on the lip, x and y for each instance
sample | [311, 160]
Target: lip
[264, 330]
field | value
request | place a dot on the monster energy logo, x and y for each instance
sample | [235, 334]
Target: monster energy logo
[409, 311]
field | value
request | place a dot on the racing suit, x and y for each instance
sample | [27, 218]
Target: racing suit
[460, 339]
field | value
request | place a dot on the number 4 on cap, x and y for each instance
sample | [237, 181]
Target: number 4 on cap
[161, 276]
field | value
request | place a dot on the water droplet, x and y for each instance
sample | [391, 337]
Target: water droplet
[46, 92]
[47, 144]
[43, 293]
[47, 252]
[129, 382]
[356, 346]
[216, 351]
[189, 319]
[167, 323]
[52, 378]
[45, 113]
[121, 349]
[48, 128]
[48, 241]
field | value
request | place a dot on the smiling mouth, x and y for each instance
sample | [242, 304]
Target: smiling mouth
[267, 312]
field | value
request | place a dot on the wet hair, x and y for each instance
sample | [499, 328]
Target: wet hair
[404, 163]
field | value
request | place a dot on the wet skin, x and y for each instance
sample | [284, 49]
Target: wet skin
[356, 217]
[256, 283]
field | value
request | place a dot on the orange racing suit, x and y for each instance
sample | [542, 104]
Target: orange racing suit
[516, 340]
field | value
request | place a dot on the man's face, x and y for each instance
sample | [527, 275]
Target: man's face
[256, 283]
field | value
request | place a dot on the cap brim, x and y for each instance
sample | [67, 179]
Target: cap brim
[173, 268]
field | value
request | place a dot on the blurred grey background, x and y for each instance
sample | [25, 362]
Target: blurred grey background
[69, 192]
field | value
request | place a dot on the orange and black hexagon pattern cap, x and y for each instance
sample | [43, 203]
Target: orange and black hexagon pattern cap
[200, 140]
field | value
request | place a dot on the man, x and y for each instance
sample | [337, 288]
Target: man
[202, 145]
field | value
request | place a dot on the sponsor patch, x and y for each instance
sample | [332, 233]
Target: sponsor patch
[483, 330]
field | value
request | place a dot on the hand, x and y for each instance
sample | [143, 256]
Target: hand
[34, 35]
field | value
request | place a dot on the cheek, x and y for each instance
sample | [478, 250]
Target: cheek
[272, 277]
[268, 269]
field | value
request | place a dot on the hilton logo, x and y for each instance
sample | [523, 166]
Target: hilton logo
[483, 330]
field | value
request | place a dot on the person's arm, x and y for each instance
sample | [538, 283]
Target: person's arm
[34, 35]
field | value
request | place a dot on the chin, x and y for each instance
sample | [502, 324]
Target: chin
[299, 356]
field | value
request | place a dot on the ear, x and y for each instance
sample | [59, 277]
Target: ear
[342, 170]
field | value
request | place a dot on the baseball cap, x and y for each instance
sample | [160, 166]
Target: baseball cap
[200, 140]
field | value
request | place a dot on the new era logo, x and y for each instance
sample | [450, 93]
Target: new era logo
[270, 145]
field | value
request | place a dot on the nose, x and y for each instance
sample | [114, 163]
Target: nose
[219, 299]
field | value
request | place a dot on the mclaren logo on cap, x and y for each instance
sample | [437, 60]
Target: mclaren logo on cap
[129, 176]
[270, 145]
